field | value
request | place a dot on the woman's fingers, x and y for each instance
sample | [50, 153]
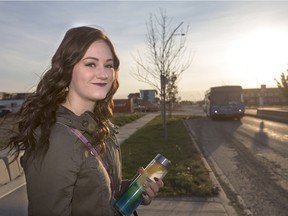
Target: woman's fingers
[159, 182]
[151, 189]
[147, 200]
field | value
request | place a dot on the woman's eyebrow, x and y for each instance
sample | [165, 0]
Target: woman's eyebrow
[93, 58]
[96, 59]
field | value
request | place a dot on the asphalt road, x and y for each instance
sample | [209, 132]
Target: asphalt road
[250, 158]
[15, 203]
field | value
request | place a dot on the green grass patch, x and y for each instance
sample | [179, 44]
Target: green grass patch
[121, 119]
[187, 177]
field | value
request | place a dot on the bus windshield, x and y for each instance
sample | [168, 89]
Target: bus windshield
[222, 98]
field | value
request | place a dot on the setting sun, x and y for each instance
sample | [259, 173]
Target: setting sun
[260, 56]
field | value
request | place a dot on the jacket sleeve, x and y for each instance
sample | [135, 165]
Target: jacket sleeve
[50, 184]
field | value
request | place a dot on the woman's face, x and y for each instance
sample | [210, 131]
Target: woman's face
[93, 75]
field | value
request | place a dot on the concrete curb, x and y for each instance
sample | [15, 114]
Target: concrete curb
[9, 169]
[12, 186]
[4, 177]
[222, 196]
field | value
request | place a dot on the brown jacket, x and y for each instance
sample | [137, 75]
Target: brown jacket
[70, 181]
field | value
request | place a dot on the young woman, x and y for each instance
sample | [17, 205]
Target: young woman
[72, 160]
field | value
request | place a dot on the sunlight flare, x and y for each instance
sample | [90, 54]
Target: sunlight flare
[260, 55]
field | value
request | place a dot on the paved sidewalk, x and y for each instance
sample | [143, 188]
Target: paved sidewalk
[184, 207]
[128, 129]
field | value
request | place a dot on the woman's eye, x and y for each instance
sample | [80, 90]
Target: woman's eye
[90, 65]
[110, 66]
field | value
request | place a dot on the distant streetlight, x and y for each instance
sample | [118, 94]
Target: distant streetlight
[182, 34]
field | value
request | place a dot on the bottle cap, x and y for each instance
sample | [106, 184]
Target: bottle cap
[164, 161]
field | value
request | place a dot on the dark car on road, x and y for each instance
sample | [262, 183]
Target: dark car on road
[4, 110]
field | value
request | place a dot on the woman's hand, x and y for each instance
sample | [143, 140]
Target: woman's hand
[151, 188]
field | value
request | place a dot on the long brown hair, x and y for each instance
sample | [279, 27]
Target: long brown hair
[39, 109]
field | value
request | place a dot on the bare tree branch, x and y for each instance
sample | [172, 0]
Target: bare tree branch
[165, 51]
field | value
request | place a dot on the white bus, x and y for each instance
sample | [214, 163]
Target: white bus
[224, 102]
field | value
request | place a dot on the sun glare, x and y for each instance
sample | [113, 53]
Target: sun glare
[260, 56]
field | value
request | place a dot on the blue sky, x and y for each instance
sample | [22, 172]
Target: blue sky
[235, 42]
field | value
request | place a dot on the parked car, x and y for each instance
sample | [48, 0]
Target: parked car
[4, 110]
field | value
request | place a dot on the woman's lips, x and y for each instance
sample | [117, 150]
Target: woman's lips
[100, 84]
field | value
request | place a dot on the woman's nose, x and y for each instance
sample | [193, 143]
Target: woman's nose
[102, 73]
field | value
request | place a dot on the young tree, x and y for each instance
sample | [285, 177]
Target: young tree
[165, 55]
[283, 84]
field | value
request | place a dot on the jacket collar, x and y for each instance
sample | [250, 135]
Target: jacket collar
[86, 122]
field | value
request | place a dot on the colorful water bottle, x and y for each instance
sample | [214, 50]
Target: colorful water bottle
[132, 197]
